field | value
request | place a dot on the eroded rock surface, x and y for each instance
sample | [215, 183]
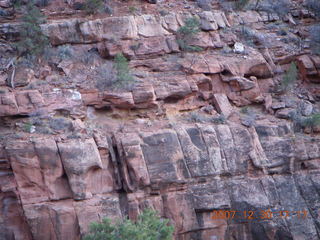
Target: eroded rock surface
[198, 132]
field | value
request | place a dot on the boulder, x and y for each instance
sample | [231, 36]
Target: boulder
[222, 104]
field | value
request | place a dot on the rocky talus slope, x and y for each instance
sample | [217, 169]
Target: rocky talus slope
[198, 132]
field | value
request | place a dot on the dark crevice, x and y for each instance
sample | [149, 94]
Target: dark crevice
[123, 202]
[121, 184]
[114, 157]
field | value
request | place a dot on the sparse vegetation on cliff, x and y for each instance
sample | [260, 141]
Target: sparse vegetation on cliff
[32, 41]
[241, 4]
[290, 77]
[252, 37]
[315, 39]
[314, 6]
[114, 75]
[93, 6]
[311, 121]
[124, 77]
[148, 226]
[280, 7]
[186, 32]
[197, 117]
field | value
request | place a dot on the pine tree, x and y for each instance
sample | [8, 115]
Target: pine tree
[32, 40]
[149, 226]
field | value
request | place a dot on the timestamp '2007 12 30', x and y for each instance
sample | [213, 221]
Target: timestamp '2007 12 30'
[257, 215]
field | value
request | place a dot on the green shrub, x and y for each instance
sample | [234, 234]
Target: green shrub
[124, 77]
[133, 9]
[28, 127]
[245, 110]
[149, 226]
[300, 122]
[32, 41]
[315, 39]
[311, 121]
[191, 27]
[290, 77]
[221, 119]
[241, 4]
[186, 32]
[93, 6]
[105, 76]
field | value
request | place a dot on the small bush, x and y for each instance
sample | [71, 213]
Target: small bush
[191, 27]
[315, 39]
[300, 122]
[204, 4]
[124, 77]
[63, 52]
[252, 37]
[28, 127]
[245, 110]
[290, 77]
[93, 6]
[32, 41]
[105, 76]
[149, 226]
[186, 32]
[241, 4]
[314, 6]
[226, 5]
[133, 9]
[60, 124]
[280, 7]
[311, 121]
[221, 119]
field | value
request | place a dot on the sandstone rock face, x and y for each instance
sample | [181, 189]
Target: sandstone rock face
[32, 101]
[169, 156]
[72, 152]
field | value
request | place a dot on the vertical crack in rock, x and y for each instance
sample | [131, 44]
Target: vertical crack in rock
[114, 156]
[121, 171]
[128, 183]
[187, 173]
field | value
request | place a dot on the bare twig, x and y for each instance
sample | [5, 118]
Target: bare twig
[9, 65]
